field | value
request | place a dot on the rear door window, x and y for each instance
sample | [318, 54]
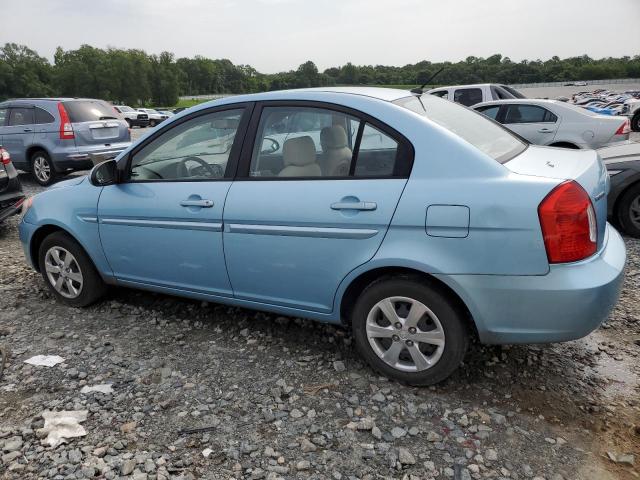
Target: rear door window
[89, 111]
[20, 116]
[528, 114]
[467, 96]
[42, 116]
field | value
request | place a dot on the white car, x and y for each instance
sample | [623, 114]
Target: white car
[557, 124]
[155, 117]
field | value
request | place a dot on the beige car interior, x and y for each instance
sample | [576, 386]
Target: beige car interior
[337, 154]
[299, 158]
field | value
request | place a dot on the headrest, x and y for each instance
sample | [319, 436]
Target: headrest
[299, 151]
[333, 137]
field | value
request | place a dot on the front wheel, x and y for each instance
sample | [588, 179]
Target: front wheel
[68, 271]
[152, 123]
[42, 168]
[628, 211]
[409, 330]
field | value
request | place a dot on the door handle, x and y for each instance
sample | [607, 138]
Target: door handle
[354, 206]
[27, 130]
[197, 203]
[545, 130]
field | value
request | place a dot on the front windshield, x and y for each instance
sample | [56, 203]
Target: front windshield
[475, 128]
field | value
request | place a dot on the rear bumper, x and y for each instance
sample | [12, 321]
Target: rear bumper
[10, 204]
[84, 158]
[568, 303]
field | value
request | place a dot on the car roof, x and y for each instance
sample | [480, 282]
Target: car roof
[534, 101]
[380, 93]
[620, 151]
[476, 85]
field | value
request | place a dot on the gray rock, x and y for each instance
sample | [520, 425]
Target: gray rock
[397, 432]
[405, 457]
[127, 467]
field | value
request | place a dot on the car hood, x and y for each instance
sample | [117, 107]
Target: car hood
[68, 183]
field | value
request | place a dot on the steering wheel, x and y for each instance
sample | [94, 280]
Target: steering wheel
[213, 171]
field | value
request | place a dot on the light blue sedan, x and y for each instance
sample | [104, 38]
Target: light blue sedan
[415, 221]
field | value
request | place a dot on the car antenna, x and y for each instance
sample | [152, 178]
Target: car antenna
[420, 90]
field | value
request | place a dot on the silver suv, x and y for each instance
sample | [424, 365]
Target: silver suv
[50, 137]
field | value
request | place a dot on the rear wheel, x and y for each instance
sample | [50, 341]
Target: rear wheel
[68, 271]
[42, 168]
[152, 123]
[635, 122]
[409, 330]
[628, 211]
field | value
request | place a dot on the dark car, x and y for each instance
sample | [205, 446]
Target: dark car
[623, 165]
[11, 196]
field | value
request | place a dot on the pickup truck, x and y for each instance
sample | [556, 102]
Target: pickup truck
[133, 117]
[469, 95]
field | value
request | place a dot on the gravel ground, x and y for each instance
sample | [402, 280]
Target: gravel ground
[289, 398]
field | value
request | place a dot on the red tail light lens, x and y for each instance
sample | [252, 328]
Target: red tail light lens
[66, 129]
[624, 128]
[4, 155]
[568, 224]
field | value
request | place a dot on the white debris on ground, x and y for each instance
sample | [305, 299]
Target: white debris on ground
[45, 360]
[61, 426]
[102, 388]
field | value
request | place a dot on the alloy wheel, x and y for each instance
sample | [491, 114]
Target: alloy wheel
[42, 169]
[63, 272]
[405, 334]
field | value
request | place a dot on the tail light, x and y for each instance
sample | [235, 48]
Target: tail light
[66, 129]
[568, 223]
[625, 128]
[4, 155]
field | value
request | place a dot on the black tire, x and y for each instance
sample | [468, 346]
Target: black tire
[448, 313]
[624, 211]
[92, 288]
[42, 168]
[152, 123]
[128, 122]
[635, 122]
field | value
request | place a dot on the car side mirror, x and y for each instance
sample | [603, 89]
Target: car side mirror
[105, 173]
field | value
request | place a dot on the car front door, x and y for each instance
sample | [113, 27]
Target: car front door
[18, 134]
[162, 225]
[311, 204]
[535, 123]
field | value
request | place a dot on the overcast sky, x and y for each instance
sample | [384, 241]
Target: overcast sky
[277, 35]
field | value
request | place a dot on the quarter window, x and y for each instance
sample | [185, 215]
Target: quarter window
[491, 112]
[42, 116]
[377, 154]
[20, 116]
[467, 96]
[441, 94]
[528, 114]
[3, 116]
[197, 149]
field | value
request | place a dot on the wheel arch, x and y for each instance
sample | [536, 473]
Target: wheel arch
[43, 232]
[33, 149]
[615, 214]
[564, 144]
[356, 286]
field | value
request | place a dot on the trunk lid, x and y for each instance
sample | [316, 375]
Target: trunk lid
[583, 166]
[95, 123]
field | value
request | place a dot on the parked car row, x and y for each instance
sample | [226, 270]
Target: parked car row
[606, 102]
[416, 221]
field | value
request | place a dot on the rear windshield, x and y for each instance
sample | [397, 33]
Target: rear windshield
[88, 111]
[484, 134]
[513, 91]
[126, 109]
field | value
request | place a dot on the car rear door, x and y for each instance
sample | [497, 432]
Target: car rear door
[537, 124]
[95, 123]
[291, 234]
[162, 226]
[18, 133]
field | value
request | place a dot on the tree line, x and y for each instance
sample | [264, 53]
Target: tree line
[136, 78]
